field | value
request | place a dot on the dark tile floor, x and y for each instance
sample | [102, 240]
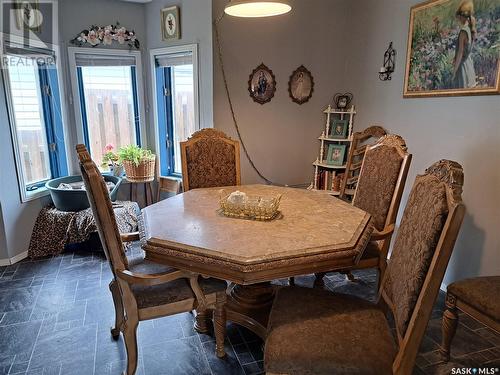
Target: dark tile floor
[55, 316]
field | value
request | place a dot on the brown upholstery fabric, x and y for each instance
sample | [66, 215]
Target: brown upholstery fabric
[377, 182]
[313, 331]
[211, 162]
[482, 293]
[416, 241]
[173, 291]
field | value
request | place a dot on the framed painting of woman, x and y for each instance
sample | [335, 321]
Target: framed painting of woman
[453, 48]
[301, 85]
[262, 84]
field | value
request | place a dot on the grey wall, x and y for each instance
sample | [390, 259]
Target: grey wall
[196, 28]
[281, 136]
[465, 129]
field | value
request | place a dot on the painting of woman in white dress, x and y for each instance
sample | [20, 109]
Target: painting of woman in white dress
[453, 48]
[301, 85]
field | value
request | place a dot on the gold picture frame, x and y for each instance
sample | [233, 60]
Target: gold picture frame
[442, 57]
[28, 10]
[170, 23]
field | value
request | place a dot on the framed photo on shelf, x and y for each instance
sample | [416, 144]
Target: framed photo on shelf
[170, 23]
[338, 129]
[336, 155]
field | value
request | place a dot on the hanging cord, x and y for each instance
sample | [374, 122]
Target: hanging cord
[226, 87]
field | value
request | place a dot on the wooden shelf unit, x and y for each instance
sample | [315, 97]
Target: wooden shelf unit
[320, 165]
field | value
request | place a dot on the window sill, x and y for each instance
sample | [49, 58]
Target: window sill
[35, 194]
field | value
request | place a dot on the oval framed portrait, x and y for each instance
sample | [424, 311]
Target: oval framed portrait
[301, 85]
[262, 84]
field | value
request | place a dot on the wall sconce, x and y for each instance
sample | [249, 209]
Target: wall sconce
[389, 64]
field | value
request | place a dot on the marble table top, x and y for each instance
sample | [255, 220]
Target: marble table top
[312, 223]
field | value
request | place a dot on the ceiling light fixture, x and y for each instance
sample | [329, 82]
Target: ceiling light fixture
[257, 8]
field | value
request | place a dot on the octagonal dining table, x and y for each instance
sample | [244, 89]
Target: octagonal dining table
[315, 232]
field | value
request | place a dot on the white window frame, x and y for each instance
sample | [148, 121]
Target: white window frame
[76, 100]
[153, 53]
[25, 195]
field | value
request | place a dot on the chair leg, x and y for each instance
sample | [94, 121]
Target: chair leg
[318, 281]
[381, 272]
[449, 327]
[130, 336]
[201, 322]
[220, 324]
[117, 300]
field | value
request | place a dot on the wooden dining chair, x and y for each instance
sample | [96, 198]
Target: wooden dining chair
[143, 290]
[476, 297]
[168, 185]
[379, 190]
[360, 142]
[314, 331]
[210, 159]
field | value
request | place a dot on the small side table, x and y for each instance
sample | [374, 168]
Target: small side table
[148, 191]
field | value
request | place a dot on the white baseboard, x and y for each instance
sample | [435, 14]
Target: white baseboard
[13, 260]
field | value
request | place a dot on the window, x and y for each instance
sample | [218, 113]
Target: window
[35, 112]
[177, 103]
[107, 87]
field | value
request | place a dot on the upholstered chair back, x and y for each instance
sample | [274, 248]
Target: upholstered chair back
[360, 142]
[382, 178]
[210, 159]
[422, 249]
[102, 209]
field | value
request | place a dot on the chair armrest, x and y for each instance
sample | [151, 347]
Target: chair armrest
[130, 237]
[150, 279]
[386, 233]
[134, 278]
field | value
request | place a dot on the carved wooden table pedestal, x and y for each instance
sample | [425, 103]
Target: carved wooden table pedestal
[250, 306]
[315, 233]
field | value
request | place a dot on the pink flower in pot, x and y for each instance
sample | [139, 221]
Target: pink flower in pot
[109, 147]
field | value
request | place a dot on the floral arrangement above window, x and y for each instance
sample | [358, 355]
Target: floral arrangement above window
[106, 35]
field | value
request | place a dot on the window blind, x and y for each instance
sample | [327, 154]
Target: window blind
[175, 59]
[83, 59]
[46, 56]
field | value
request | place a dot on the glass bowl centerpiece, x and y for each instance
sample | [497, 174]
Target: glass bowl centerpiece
[253, 207]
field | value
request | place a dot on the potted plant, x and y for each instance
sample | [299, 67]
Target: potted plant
[111, 160]
[139, 163]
